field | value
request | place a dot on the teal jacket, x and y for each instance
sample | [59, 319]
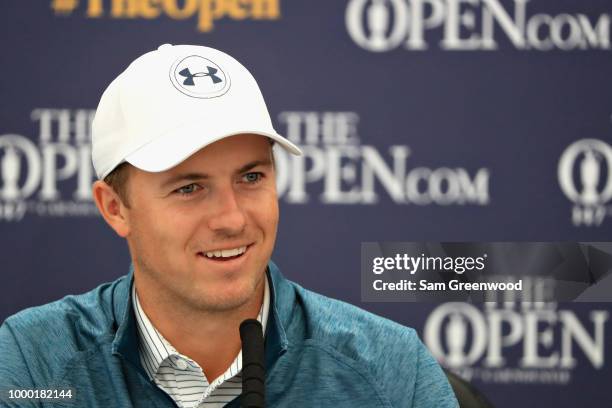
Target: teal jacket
[319, 352]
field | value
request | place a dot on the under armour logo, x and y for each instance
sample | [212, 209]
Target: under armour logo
[189, 76]
[183, 74]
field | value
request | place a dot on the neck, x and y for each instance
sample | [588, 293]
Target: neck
[209, 337]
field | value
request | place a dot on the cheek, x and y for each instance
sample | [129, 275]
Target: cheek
[272, 222]
[154, 232]
[269, 215]
[264, 212]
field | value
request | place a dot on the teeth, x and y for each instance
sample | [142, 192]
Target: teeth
[229, 252]
[226, 253]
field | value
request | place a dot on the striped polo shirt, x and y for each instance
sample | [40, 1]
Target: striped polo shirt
[181, 377]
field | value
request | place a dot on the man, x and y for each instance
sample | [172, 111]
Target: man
[182, 147]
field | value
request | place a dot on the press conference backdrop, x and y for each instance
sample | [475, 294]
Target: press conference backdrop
[420, 120]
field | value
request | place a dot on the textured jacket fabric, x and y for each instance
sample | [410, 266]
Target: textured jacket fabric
[319, 352]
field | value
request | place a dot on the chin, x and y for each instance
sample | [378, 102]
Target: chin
[228, 296]
[221, 303]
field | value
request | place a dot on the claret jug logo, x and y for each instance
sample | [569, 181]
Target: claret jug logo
[469, 25]
[199, 77]
[207, 12]
[52, 178]
[585, 178]
[17, 148]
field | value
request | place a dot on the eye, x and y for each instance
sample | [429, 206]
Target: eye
[253, 177]
[188, 189]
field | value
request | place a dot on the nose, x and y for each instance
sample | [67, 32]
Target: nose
[228, 218]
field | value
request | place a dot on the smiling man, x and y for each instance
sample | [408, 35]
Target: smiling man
[183, 149]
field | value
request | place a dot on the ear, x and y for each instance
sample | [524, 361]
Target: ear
[111, 207]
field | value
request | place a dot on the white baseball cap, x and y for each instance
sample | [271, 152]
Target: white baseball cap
[172, 102]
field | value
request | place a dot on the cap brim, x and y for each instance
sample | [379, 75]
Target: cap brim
[175, 146]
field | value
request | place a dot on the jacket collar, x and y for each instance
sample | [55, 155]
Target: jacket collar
[125, 344]
[282, 299]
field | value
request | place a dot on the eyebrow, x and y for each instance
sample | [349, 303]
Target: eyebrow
[254, 164]
[203, 176]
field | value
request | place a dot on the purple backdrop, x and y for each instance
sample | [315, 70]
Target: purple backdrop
[433, 120]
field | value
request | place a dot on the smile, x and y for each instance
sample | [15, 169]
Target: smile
[226, 253]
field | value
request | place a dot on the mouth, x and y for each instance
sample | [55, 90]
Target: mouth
[225, 255]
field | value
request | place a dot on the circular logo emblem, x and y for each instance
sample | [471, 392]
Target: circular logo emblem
[592, 160]
[13, 184]
[457, 319]
[199, 77]
[380, 26]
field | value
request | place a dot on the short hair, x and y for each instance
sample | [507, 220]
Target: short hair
[118, 177]
[117, 180]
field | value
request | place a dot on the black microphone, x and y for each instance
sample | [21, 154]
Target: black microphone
[253, 370]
